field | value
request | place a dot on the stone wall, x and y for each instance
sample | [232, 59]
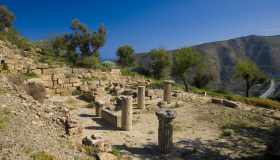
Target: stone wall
[111, 118]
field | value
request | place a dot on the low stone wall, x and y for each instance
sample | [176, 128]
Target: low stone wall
[111, 118]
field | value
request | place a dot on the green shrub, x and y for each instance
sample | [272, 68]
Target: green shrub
[255, 101]
[42, 156]
[16, 39]
[128, 72]
[157, 84]
[30, 75]
[117, 152]
[227, 132]
[76, 92]
[4, 118]
[90, 62]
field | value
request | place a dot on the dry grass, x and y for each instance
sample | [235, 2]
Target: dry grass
[71, 103]
[4, 118]
[42, 156]
[36, 90]
[259, 102]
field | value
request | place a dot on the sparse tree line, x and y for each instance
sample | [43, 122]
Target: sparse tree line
[191, 67]
[82, 46]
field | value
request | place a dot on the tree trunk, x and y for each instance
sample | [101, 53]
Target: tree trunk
[247, 87]
[186, 85]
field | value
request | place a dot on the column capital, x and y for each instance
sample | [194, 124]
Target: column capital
[166, 114]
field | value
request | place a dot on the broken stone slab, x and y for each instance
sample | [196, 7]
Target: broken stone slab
[217, 101]
[229, 103]
[99, 143]
[111, 118]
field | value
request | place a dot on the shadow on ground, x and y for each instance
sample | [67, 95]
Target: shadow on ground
[246, 143]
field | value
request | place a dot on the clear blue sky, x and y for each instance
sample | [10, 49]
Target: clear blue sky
[148, 24]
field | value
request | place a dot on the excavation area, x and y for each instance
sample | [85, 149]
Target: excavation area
[201, 129]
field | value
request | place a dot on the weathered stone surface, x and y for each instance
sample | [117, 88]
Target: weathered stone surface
[167, 91]
[127, 114]
[141, 97]
[231, 104]
[100, 144]
[217, 101]
[165, 130]
[111, 118]
[106, 156]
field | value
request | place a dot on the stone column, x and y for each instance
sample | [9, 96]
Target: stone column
[98, 108]
[167, 91]
[165, 130]
[127, 113]
[141, 97]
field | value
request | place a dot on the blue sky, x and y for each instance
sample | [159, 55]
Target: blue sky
[148, 24]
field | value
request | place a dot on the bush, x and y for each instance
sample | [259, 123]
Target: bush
[157, 84]
[128, 72]
[42, 156]
[4, 117]
[90, 62]
[36, 90]
[30, 75]
[16, 39]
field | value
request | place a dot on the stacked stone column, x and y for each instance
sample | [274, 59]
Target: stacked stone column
[167, 91]
[165, 130]
[127, 114]
[141, 97]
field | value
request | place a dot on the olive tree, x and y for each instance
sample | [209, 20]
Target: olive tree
[249, 72]
[125, 54]
[184, 60]
[160, 63]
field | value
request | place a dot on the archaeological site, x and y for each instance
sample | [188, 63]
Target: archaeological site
[60, 99]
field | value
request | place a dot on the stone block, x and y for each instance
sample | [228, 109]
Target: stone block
[231, 104]
[111, 118]
[217, 101]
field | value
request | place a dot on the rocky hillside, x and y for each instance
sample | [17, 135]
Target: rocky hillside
[223, 55]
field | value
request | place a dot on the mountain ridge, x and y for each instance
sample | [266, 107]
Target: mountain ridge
[223, 55]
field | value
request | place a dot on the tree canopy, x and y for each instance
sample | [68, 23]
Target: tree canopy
[160, 63]
[7, 18]
[125, 54]
[250, 72]
[82, 43]
[184, 59]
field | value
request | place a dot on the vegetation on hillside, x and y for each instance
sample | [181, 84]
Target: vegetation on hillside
[8, 33]
[161, 63]
[6, 18]
[186, 59]
[250, 73]
[126, 56]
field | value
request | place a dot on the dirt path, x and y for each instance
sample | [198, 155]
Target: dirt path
[197, 131]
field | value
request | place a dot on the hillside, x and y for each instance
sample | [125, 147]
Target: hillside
[223, 55]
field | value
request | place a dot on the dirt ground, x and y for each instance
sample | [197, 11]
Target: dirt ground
[202, 130]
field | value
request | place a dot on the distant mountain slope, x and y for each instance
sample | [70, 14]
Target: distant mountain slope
[223, 55]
